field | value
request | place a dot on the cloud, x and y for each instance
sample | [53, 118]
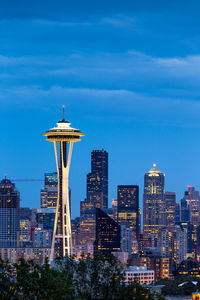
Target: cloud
[137, 85]
[107, 104]
[47, 22]
[119, 21]
[123, 70]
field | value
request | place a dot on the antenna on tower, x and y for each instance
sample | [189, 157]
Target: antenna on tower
[63, 112]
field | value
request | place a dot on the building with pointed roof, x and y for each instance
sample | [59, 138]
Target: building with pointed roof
[153, 203]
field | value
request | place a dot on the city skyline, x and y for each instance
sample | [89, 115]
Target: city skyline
[122, 69]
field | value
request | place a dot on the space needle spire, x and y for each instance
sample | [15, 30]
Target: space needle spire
[63, 136]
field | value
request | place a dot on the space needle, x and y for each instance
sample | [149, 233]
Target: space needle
[63, 136]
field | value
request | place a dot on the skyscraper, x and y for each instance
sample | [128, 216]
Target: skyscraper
[170, 201]
[107, 234]
[128, 207]
[25, 229]
[50, 180]
[87, 227]
[172, 243]
[97, 180]
[48, 195]
[153, 202]
[114, 207]
[66, 136]
[9, 214]
[193, 200]
[184, 211]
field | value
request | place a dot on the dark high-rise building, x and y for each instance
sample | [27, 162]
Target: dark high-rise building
[153, 202]
[193, 200]
[128, 207]
[75, 231]
[45, 218]
[107, 234]
[184, 211]
[114, 207]
[97, 180]
[177, 213]
[170, 201]
[9, 214]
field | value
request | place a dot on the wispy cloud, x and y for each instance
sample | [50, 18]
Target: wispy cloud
[124, 68]
[165, 89]
[48, 22]
[119, 21]
[128, 104]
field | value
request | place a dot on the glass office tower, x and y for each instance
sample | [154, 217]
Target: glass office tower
[154, 203]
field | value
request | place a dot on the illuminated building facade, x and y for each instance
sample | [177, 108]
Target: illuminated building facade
[191, 197]
[172, 243]
[48, 195]
[114, 207]
[15, 254]
[127, 239]
[170, 201]
[87, 228]
[83, 250]
[42, 238]
[193, 200]
[75, 231]
[107, 234]
[97, 180]
[128, 207]
[160, 265]
[25, 229]
[93, 200]
[190, 235]
[9, 214]
[65, 136]
[196, 296]
[45, 218]
[50, 180]
[153, 203]
[139, 274]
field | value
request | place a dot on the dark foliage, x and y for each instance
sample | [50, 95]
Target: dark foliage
[98, 278]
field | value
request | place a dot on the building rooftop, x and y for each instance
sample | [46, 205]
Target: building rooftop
[154, 169]
[135, 268]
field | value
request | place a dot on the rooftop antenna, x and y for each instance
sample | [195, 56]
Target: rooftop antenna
[63, 112]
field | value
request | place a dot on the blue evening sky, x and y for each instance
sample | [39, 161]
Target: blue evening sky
[129, 75]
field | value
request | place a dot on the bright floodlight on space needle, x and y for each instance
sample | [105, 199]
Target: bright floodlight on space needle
[65, 135]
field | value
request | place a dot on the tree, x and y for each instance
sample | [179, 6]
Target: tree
[98, 278]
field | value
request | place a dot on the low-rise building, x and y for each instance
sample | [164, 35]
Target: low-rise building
[14, 254]
[139, 274]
